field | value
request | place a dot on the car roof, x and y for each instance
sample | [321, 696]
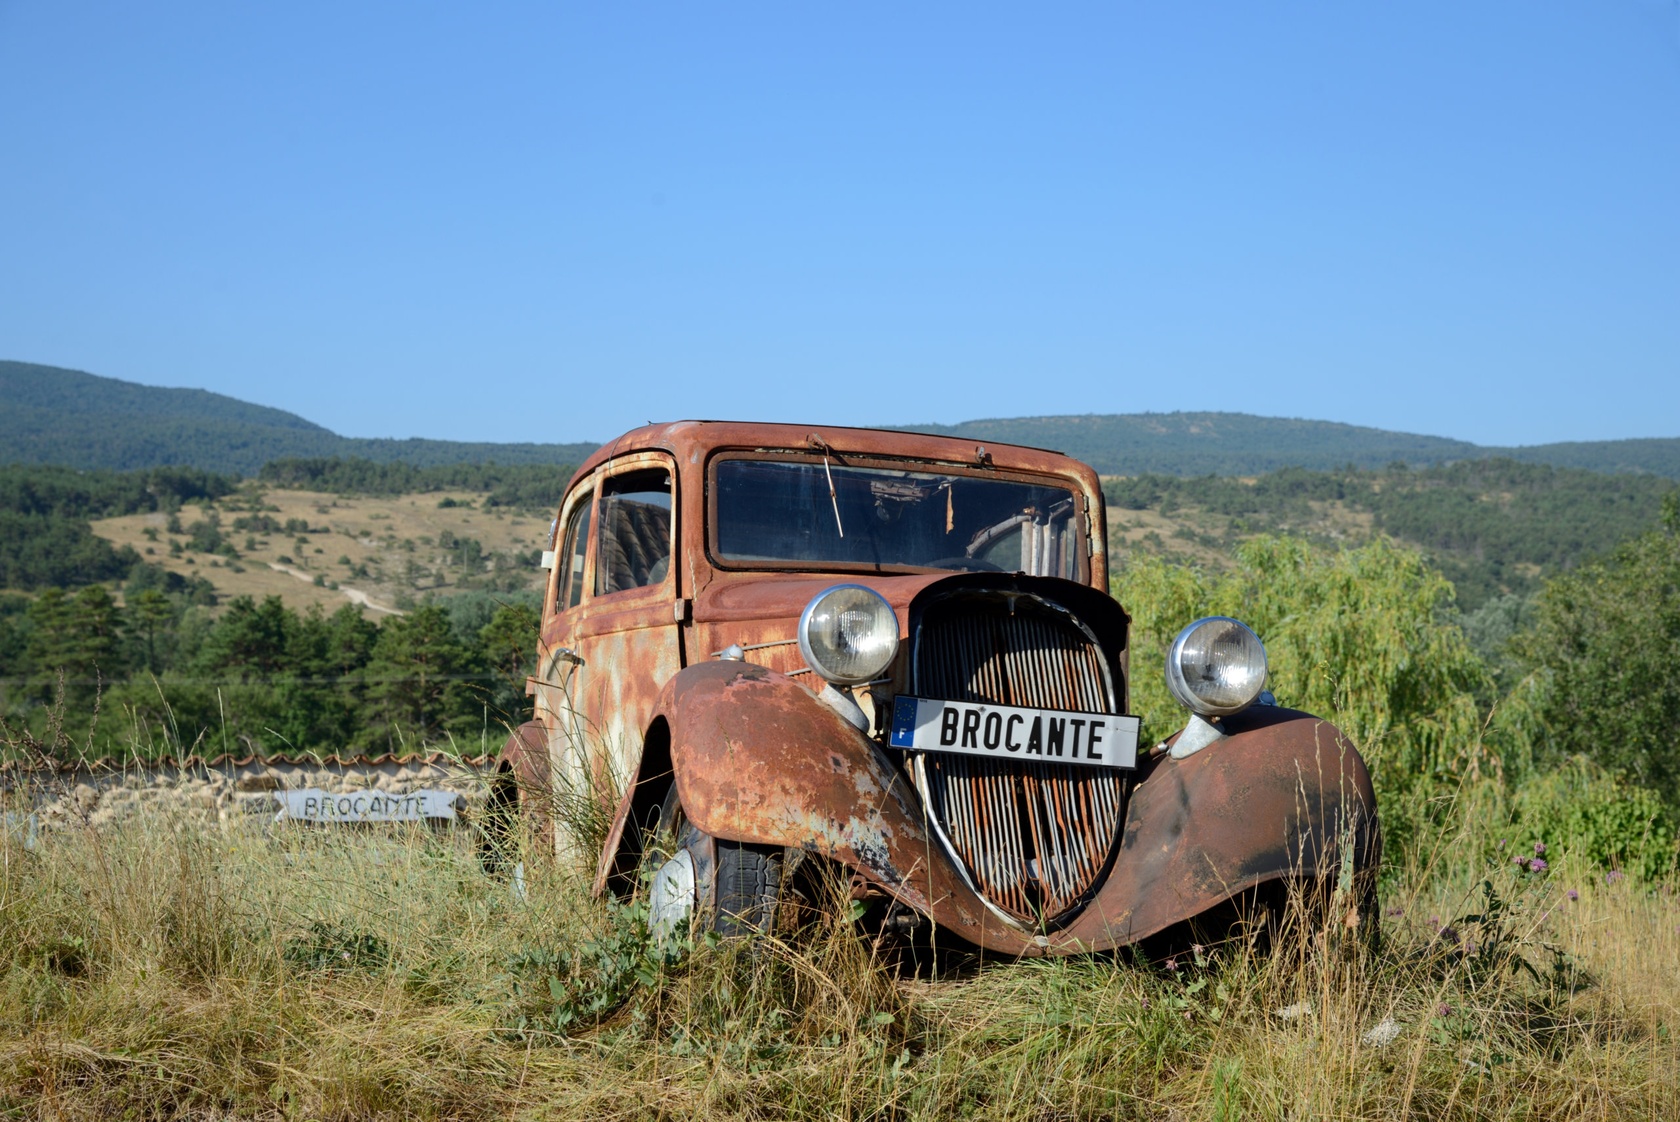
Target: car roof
[691, 440]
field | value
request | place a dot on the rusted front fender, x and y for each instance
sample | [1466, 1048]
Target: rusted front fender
[759, 759]
[1285, 796]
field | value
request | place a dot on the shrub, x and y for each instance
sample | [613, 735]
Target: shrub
[1583, 810]
[1603, 644]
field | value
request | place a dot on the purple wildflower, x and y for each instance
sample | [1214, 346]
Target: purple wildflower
[1537, 865]
[1572, 894]
[1172, 964]
[1518, 859]
[1396, 911]
[1443, 1009]
[1449, 935]
[1501, 843]
[1434, 921]
[1539, 849]
[1612, 876]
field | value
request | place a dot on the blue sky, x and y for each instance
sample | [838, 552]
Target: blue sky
[523, 221]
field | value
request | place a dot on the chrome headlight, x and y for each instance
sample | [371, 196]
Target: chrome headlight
[848, 634]
[1216, 667]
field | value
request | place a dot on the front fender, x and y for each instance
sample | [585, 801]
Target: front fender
[1285, 795]
[757, 758]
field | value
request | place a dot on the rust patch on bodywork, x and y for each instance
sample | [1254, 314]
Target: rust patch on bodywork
[759, 759]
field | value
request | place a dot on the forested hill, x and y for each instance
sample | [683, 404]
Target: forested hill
[50, 415]
[1192, 444]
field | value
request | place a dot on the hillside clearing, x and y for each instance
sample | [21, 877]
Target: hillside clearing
[313, 548]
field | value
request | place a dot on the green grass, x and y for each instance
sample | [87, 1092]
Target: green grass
[166, 971]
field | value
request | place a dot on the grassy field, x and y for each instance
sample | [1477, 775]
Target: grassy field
[382, 551]
[175, 971]
[1192, 535]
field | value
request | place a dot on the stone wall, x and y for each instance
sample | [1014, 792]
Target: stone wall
[222, 791]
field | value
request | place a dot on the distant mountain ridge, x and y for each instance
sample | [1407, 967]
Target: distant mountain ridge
[1242, 444]
[50, 415]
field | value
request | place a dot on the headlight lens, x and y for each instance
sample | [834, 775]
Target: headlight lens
[848, 634]
[1216, 666]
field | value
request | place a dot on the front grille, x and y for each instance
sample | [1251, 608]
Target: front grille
[1034, 838]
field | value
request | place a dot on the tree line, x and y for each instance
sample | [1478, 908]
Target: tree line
[521, 486]
[163, 676]
[1568, 733]
[1494, 527]
[45, 539]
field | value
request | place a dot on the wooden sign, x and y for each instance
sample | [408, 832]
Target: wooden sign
[313, 805]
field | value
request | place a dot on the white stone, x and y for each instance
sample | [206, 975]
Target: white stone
[1385, 1032]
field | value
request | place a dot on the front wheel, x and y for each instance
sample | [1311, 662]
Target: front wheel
[705, 883]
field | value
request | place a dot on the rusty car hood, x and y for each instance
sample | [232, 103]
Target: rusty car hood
[732, 597]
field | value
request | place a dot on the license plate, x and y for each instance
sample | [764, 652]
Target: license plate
[1010, 732]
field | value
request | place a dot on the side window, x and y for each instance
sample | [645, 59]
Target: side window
[635, 546]
[570, 585]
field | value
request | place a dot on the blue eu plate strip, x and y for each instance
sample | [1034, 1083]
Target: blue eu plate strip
[903, 723]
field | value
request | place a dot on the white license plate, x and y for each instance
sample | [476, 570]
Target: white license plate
[1009, 732]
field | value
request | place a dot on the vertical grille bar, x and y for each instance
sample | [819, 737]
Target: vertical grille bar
[1033, 836]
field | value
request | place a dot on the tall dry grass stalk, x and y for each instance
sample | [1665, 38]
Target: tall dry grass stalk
[161, 970]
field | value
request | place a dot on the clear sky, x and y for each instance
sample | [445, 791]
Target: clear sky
[540, 221]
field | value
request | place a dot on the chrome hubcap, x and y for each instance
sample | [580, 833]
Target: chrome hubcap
[671, 898]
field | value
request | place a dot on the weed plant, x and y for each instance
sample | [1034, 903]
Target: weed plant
[163, 970]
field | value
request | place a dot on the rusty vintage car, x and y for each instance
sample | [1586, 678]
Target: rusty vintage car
[765, 645]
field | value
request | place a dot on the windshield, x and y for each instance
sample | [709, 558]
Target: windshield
[816, 512]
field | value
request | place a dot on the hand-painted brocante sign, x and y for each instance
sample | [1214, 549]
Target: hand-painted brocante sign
[313, 805]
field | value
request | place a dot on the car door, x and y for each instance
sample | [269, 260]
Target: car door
[613, 640]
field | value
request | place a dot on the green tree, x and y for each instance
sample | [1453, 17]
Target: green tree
[150, 615]
[1605, 653]
[414, 676]
[507, 648]
[80, 636]
[1359, 636]
[319, 695]
[250, 641]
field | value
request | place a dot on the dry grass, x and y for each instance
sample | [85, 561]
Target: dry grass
[369, 530]
[1194, 536]
[167, 971]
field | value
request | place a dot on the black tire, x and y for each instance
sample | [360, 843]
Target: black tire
[737, 884]
[749, 883]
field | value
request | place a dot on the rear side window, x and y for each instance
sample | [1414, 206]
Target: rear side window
[572, 552]
[635, 546]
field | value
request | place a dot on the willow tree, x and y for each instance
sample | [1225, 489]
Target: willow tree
[1359, 636]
